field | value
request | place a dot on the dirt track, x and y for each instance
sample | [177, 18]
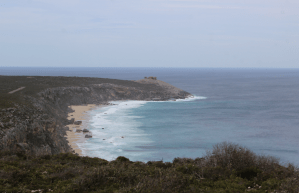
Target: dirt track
[16, 90]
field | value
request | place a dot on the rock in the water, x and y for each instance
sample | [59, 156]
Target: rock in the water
[78, 122]
[85, 130]
[78, 130]
[88, 136]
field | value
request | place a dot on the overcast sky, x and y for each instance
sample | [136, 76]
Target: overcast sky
[150, 33]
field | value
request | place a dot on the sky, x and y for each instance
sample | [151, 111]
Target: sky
[150, 33]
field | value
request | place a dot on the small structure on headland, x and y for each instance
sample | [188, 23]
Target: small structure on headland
[151, 77]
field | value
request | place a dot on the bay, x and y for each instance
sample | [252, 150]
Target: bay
[256, 108]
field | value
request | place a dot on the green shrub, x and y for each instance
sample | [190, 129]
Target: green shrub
[216, 172]
[122, 159]
[231, 156]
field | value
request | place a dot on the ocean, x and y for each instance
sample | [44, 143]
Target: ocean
[255, 108]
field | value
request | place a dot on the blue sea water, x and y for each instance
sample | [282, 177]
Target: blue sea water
[256, 108]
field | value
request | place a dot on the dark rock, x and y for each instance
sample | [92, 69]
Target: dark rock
[72, 121]
[78, 130]
[88, 136]
[85, 130]
[78, 122]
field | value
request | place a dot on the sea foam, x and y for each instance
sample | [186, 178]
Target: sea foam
[116, 131]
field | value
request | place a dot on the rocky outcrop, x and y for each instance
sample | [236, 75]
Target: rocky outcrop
[85, 130]
[39, 128]
[77, 122]
[172, 91]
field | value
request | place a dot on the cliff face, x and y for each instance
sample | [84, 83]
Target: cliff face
[39, 128]
[31, 131]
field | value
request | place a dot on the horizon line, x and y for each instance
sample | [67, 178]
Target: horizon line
[150, 67]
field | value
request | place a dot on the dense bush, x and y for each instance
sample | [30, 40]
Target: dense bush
[227, 168]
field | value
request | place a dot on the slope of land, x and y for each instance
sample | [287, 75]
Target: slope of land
[33, 110]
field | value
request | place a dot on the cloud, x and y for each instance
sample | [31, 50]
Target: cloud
[105, 26]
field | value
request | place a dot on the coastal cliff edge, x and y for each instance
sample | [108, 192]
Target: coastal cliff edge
[33, 110]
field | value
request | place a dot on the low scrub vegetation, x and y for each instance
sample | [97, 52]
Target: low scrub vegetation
[226, 168]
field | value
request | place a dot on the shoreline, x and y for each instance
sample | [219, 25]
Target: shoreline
[80, 114]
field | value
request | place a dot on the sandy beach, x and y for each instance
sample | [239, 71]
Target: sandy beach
[79, 114]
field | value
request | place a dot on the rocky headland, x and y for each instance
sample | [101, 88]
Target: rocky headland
[33, 110]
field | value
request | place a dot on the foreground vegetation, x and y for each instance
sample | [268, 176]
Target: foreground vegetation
[227, 168]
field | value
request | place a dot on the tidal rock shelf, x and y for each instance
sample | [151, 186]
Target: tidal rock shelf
[33, 120]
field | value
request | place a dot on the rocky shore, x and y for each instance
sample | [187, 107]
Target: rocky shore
[33, 119]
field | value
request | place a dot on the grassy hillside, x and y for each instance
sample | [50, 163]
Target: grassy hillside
[227, 168]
